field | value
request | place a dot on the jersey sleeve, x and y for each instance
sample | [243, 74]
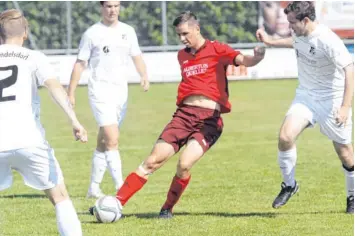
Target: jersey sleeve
[44, 69]
[338, 53]
[225, 53]
[134, 50]
[85, 47]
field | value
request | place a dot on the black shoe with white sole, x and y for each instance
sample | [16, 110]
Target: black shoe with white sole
[350, 205]
[286, 193]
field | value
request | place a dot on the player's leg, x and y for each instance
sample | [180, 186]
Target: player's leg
[346, 155]
[210, 126]
[162, 151]
[191, 154]
[106, 118]
[5, 170]
[297, 119]
[98, 167]
[170, 141]
[41, 171]
[341, 135]
[67, 219]
[113, 156]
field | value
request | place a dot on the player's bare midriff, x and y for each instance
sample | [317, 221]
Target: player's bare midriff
[202, 101]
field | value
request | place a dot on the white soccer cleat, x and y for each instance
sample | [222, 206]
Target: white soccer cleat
[95, 194]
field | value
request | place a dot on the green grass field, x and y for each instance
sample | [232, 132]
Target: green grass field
[231, 189]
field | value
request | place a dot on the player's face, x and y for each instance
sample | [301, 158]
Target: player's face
[298, 27]
[110, 11]
[188, 34]
[275, 20]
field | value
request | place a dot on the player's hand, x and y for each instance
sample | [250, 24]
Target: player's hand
[80, 133]
[145, 84]
[71, 100]
[262, 36]
[259, 52]
[341, 115]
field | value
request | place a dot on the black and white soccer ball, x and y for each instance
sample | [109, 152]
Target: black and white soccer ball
[108, 209]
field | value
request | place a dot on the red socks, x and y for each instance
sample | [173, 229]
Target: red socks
[131, 185]
[134, 183]
[177, 187]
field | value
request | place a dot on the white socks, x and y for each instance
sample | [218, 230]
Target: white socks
[287, 163]
[113, 160]
[98, 169]
[67, 219]
[102, 160]
[349, 180]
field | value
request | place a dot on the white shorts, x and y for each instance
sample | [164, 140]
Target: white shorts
[38, 167]
[108, 102]
[108, 113]
[323, 113]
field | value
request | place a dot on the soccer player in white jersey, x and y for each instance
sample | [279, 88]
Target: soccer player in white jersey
[324, 95]
[22, 143]
[107, 47]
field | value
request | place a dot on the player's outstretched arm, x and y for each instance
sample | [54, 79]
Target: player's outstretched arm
[78, 69]
[248, 60]
[262, 36]
[142, 70]
[60, 97]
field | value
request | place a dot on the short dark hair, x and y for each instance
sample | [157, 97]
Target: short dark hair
[102, 3]
[186, 16]
[302, 9]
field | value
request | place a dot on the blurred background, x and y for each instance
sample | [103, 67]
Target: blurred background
[56, 28]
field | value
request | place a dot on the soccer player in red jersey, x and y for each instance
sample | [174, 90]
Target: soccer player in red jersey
[197, 123]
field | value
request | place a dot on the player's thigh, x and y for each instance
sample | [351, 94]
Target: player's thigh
[178, 130]
[292, 127]
[5, 170]
[299, 116]
[191, 154]
[161, 152]
[208, 128]
[109, 132]
[38, 167]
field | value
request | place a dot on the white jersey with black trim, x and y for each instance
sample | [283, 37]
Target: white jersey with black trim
[321, 58]
[21, 72]
[108, 51]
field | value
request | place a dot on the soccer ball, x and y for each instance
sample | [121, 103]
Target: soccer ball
[107, 209]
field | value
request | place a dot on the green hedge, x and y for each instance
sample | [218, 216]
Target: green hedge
[230, 22]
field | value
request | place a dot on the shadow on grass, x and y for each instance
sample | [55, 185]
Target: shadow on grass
[155, 215]
[23, 196]
[151, 215]
[217, 214]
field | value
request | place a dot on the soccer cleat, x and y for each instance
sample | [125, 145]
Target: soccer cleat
[165, 214]
[350, 205]
[95, 194]
[285, 194]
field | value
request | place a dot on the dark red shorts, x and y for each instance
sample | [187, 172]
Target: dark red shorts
[189, 122]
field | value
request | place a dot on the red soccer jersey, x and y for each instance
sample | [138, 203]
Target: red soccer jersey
[204, 73]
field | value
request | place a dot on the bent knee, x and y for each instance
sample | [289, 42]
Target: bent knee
[57, 194]
[286, 140]
[111, 145]
[184, 166]
[152, 163]
[346, 155]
